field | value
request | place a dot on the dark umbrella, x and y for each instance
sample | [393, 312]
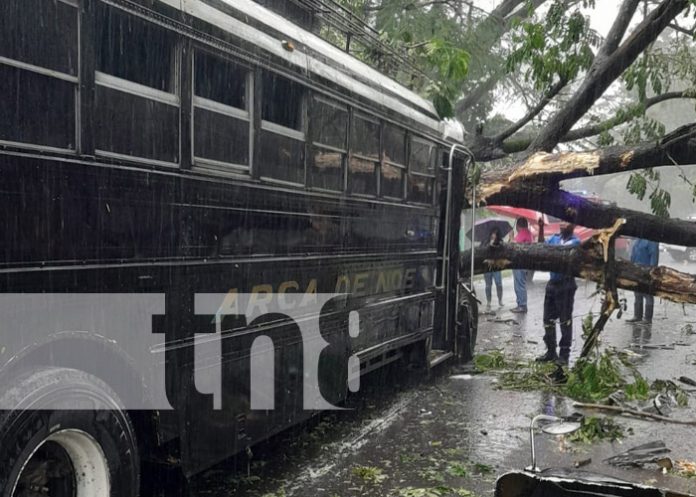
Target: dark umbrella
[485, 227]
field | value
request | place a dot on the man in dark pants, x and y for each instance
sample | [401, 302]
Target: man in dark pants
[558, 300]
[646, 253]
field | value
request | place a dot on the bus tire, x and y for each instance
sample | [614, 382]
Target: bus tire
[48, 448]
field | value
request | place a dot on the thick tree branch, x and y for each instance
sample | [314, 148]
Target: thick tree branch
[496, 24]
[604, 71]
[533, 112]
[544, 171]
[515, 145]
[595, 215]
[618, 29]
[595, 129]
[587, 262]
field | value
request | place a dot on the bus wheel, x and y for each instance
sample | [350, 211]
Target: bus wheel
[63, 434]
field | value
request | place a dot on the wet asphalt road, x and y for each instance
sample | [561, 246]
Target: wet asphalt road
[460, 431]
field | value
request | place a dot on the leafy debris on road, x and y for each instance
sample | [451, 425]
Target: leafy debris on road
[594, 428]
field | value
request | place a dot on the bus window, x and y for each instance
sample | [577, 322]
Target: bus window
[134, 50]
[420, 189]
[137, 109]
[394, 167]
[392, 181]
[282, 101]
[329, 123]
[38, 72]
[421, 178]
[41, 33]
[394, 144]
[281, 153]
[221, 128]
[364, 144]
[422, 157]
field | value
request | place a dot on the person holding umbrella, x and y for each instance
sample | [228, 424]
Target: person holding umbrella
[495, 238]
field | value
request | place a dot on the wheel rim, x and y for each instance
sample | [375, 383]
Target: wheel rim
[69, 463]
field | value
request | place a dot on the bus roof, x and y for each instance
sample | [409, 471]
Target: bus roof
[312, 55]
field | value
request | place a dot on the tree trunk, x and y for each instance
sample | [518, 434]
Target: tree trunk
[586, 261]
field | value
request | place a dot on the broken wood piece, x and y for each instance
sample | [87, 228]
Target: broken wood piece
[688, 381]
[650, 452]
[634, 412]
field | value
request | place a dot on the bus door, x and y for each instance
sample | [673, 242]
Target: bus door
[450, 206]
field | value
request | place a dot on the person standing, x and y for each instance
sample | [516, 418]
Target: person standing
[646, 253]
[558, 300]
[519, 276]
[495, 238]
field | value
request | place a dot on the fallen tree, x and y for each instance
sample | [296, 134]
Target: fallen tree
[586, 261]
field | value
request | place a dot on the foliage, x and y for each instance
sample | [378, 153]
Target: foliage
[369, 474]
[639, 389]
[592, 380]
[648, 179]
[558, 46]
[594, 428]
[490, 361]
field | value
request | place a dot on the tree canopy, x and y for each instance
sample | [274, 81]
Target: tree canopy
[588, 102]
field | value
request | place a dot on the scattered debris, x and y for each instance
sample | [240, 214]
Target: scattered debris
[369, 474]
[582, 462]
[461, 377]
[650, 452]
[509, 321]
[688, 329]
[594, 428]
[653, 346]
[633, 412]
[688, 381]
[686, 469]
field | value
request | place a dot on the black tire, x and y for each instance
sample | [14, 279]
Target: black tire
[40, 432]
[467, 328]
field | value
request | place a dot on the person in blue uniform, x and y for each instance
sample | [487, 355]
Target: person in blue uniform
[646, 253]
[558, 300]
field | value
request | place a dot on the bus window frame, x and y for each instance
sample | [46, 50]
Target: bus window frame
[59, 75]
[377, 161]
[279, 129]
[212, 165]
[140, 90]
[435, 151]
[315, 145]
[391, 163]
